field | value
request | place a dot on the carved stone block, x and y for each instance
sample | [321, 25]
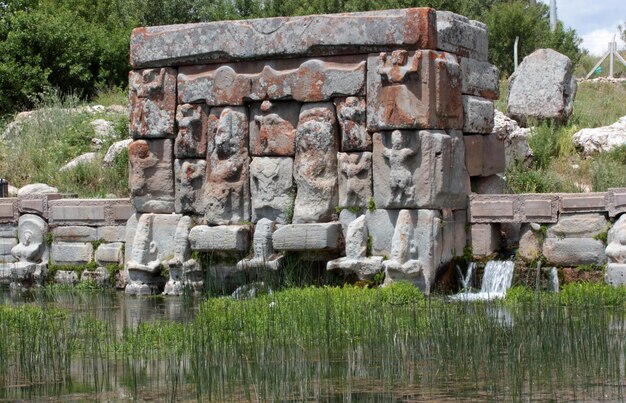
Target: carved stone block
[414, 90]
[264, 255]
[355, 179]
[192, 131]
[351, 115]
[151, 176]
[152, 102]
[307, 237]
[460, 35]
[223, 238]
[227, 191]
[480, 79]
[273, 128]
[424, 169]
[479, 114]
[189, 186]
[315, 165]
[271, 180]
[303, 80]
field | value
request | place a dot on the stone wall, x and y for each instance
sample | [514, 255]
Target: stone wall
[317, 134]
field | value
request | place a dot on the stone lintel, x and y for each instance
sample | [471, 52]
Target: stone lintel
[616, 201]
[583, 202]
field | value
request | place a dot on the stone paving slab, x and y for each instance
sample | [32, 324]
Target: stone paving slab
[282, 37]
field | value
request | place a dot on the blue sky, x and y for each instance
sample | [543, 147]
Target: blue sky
[595, 21]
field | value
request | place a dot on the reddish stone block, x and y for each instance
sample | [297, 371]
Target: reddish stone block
[192, 131]
[152, 102]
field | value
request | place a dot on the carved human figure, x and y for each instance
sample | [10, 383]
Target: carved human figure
[616, 248]
[274, 128]
[142, 159]
[401, 178]
[395, 69]
[144, 256]
[356, 178]
[351, 117]
[190, 175]
[31, 247]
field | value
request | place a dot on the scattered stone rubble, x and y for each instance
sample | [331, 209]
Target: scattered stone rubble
[601, 139]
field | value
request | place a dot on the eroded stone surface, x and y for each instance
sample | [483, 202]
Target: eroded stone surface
[264, 255]
[460, 35]
[307, 237]
[349, 33]
[414, 90]
[71, 253]
[616, 242]
[271, 181]
[185, 272]
[478, 115]
[573, 251]
[190, 177]
[485, 239]
[223, 238]
[151, 176]
[480, 79]
[227, 191]
[351, 115]
[355, 179]
[315, 165]
[191, 140]
[273, 128]
[424, 169]
[578, 226]
[152, 102]
[110, 253]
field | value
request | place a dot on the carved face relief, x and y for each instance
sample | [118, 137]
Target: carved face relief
[616, 248]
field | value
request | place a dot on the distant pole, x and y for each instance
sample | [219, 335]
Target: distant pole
[515, 51]
[611, 53]
[552, 15]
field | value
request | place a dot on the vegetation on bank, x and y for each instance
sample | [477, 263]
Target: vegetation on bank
[329, 342]
[82, 46]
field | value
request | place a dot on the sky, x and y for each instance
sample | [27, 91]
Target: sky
[595, 21]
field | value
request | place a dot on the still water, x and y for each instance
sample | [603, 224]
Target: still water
[314, 350]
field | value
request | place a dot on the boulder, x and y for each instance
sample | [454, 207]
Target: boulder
[103, 128]
[116, 149]
[543, 88]
[81, 159]
[36, 188]
[516, 148]
[602, 138]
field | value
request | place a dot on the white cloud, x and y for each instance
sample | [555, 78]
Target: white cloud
[597, 42]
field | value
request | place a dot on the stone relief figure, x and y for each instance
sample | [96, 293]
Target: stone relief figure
[403, 264]
[144, 257]
[31, 253]
[142, 160]
[184, 271]
[270, 186]
[616, 248]
[395, 69]
[265, 257]
[401, 180]
[227, 189]
[355, 180]
[351, 117]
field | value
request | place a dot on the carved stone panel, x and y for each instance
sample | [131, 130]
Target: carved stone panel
[351, 116]
[190, 179]
[303, 80]
[355, 179]
[227, 190]
[414, 90]
[151, 176]
[420, 169]
[273, 128]
[315, 165]
[271, 180]
[192, 131]
[152, 102]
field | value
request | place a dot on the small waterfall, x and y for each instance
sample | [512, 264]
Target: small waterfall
[497, 279]
[466, 280]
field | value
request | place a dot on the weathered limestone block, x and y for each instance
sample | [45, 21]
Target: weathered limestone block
[380, 225]
[615, 274]
[224, 238]
[462, 36]
[485, 239]
[315, 165]
[494, 157]
[66, 277]
[480, 79]
[271, 181]
[151, 177]
[573, 251]
[539, 208]
[578, 226]
[99, 276]
[75, 233]
[6, 245]
[264, 255]
[304, 80]
[348, 33]
[307, 237]
[583, 202]
[530, 243]
[273, 128]
[190, 178]
[227, 191]
[9, 212]
[414, 90]
[543, 87]
[71, 253]
[454, 236]
[460, 232]
[616, 242]
[191, 140]
[355, 179]
[616, 202]
[474, 145]
[112, 233]
[36, 203]
[494, 208]
[150, 243]
[89, 212]
[478, 115]
[416, 248]
[185, 272]
[424, 169]
[110, 253]
[152, 102]
[351, 115]
[356, 260]
[346, 216]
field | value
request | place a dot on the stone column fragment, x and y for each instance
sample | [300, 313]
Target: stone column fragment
[315, 165]
[152, 102]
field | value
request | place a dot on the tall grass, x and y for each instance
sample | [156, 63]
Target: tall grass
[333, 343]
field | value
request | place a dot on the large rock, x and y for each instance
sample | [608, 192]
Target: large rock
[542, 88]
[516, 148]
[350, 33]
[36, 188]
[602, 138]
[223, 238]
[114, 150]
[86, 158]
[315, 165]
[578, 226]
[307, 237]
[460, 35]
